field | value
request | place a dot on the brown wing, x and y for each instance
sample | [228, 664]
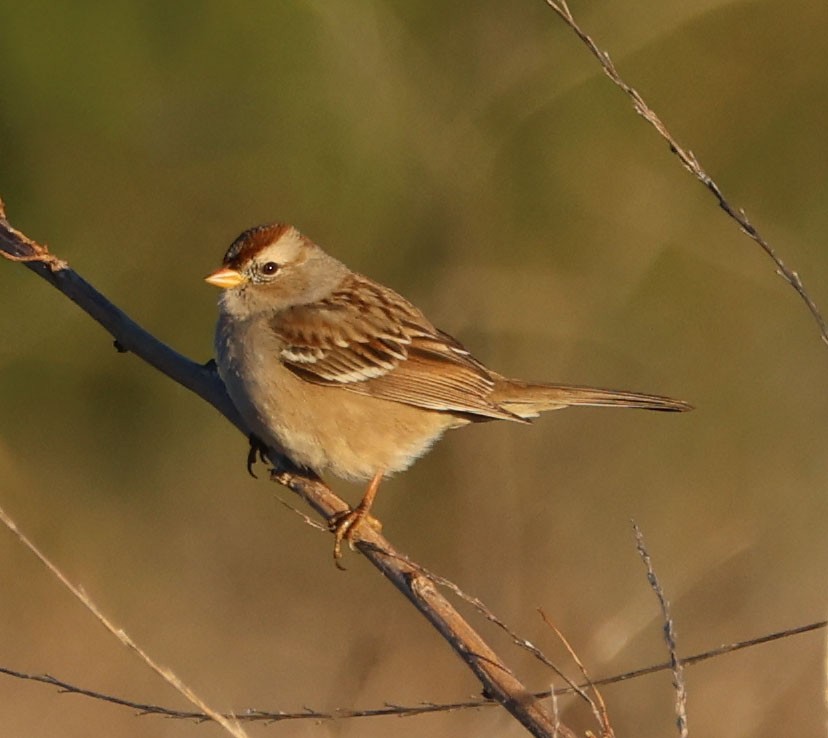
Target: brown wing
[368, 339]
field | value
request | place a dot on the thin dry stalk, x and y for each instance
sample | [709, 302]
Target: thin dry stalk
[397, 710]
[556, 720]
[669, 634]
[599, 707]
[487, 613]
[166, 674]
[691, 164]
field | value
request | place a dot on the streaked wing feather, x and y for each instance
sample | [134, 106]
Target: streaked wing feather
[385, 347]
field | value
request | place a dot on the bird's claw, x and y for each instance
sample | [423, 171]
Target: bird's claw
[346, 526]
[256, 453]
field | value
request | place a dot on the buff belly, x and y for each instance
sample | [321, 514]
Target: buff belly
[316, 424]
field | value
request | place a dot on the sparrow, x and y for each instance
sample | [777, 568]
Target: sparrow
[347, 376]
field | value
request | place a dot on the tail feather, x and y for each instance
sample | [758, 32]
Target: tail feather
[528, 400]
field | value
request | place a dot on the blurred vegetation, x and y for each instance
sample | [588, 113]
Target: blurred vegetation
[473, 156]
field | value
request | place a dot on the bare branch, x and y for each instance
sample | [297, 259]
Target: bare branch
[692, 165]
[497, 679]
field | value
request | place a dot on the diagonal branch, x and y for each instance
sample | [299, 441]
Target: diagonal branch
[691, 164]
[498, 681]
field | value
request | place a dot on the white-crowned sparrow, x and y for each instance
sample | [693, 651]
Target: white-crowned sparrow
[346, 375]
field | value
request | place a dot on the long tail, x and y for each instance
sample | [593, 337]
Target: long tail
[528, 400]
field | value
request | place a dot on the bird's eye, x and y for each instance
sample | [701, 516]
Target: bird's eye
[270, 267]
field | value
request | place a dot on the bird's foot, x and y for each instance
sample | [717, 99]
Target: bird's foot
[256, 453]
[346, 526]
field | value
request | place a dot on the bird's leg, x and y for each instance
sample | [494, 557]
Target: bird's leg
[257, 449]
[345, 525]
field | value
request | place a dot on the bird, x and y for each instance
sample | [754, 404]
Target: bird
[347, 376]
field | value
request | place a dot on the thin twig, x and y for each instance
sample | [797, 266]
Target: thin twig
[669, 633]
[166, 674]
[556, 716]
[406, 710]
[308, 520]
[487, 613]
[599, 707]
[692, 165]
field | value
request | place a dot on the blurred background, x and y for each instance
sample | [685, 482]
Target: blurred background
[474, 157]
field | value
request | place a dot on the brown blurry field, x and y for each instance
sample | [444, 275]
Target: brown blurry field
[474, 157]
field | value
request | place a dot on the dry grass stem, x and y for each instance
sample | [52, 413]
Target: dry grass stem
[166, 674]
[599, 707]
[676, 665]
[308, 520]
[556, 720]
[397, 710]
[692, 165]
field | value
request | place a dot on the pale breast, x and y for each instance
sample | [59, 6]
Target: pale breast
[320, 427]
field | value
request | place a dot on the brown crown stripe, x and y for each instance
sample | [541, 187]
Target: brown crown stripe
[253, 240]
